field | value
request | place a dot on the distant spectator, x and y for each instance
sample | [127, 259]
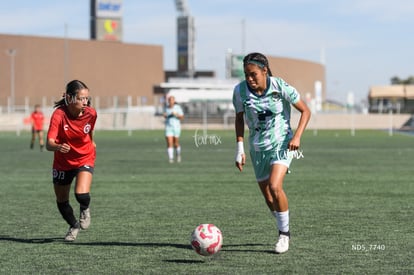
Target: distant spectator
[37, 120]
[173, 116]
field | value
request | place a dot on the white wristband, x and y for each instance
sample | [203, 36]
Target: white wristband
[239, 151]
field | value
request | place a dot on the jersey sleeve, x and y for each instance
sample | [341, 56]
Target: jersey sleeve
[55, 121]
[94, 117]
[288, 92]
[237, 101]
[179, 110]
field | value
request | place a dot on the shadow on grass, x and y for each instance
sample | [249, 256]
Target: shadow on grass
[180, 261]
[30, 240]
[242, 248]
[175, 245]
[228, 248]
[51, 240]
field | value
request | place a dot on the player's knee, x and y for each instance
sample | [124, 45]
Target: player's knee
[277, 191]
[83, 199]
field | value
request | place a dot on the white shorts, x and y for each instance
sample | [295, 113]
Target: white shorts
[172, 131]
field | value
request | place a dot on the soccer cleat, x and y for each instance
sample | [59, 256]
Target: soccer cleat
[85, 218]
[72, 233]
[171, 161]
[282, 244]
[178, 158]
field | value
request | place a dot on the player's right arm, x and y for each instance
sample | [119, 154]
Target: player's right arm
[240, 155]
[51, 145]
[52, 133]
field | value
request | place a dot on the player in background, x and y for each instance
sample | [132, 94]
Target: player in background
[37, 120]
[173, 116]
[265, 103]
[70, 137]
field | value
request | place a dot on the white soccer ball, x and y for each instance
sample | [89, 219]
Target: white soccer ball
[206, 239]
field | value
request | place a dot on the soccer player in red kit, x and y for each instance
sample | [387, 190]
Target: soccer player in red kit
[37, 120]
[70, 137]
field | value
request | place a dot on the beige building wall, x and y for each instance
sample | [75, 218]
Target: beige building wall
[43, 66]
[300, 74]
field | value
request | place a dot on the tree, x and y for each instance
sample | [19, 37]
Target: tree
[410, 80]
[396, 80]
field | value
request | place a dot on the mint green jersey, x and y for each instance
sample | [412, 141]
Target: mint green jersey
[171, 120]
[268, 115]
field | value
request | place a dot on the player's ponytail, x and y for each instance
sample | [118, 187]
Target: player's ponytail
[72, 89]
[258, 59]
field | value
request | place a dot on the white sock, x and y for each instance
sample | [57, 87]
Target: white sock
[178, 150]
[282, 220]
[170, 151]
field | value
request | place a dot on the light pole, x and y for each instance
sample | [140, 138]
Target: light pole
[12, 54]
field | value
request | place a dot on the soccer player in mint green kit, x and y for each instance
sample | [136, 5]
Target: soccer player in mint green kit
[264, 103]
[173, 116]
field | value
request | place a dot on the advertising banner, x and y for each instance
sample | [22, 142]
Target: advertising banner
[108, 29]
[237, 70]
[108, 8]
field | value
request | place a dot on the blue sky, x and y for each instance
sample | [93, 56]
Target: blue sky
[362, 43]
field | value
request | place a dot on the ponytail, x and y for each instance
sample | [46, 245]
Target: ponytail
[72, 89]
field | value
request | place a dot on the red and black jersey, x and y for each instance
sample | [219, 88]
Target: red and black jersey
[77, 132]
[37, 119]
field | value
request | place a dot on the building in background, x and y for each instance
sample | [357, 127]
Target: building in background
[391, 98]
[36, 69]
[199, 96]
[42, 66]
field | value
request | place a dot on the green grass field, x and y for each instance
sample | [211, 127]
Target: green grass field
[351, 203]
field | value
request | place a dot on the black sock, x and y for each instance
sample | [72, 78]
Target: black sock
[67, 213]
[84, 200]
[284, 233]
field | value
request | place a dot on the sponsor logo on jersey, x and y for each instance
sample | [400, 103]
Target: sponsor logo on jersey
[87, 128]
[275, 95]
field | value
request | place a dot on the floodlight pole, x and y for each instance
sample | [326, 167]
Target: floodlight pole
[390, 130]
[12, 54]
[182, 7]
[243, 36]
[66, 59]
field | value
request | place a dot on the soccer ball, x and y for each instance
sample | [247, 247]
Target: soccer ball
[206, 239]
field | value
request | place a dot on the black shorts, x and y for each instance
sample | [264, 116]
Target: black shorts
[66, 177]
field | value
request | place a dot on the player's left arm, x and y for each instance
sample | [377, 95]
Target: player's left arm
[93, 128]
[92, 140]
[305, 115]
[179, 114]
[32, 120]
